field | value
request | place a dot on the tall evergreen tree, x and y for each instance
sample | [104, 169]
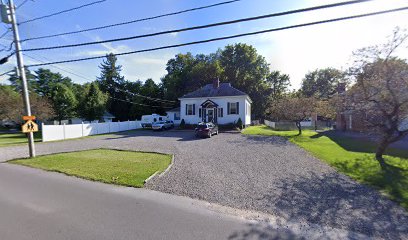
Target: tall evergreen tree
[111, 82]
[16, 83]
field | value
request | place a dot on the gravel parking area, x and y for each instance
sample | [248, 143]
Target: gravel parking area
[266, 174]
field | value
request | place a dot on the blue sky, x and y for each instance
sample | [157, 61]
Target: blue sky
[294, 52]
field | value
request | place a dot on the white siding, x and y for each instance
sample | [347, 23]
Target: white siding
[222, 103]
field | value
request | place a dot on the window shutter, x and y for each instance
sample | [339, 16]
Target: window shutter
[222, 112]
[193, 109]
[186, 109]
[199, 112]
[228, 108]
[237, 107]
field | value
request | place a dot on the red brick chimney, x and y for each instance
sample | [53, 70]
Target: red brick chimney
[216, 83]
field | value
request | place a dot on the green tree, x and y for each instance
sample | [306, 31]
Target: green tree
[246, 70]
[63, 101]
[294, 109]
[112, 82]
[149, 95]
[46, 80]
[322, 83]
[93, 105]
[16, 83]
[278, 83]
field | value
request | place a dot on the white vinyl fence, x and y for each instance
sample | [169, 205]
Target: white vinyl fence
[61, 132]
[286, 125]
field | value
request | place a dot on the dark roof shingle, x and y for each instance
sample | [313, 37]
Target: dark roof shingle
[224, 90]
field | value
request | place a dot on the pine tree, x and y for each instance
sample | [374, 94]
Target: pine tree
[111, 82]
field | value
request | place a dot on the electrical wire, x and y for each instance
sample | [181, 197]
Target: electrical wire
[22, 4]
[141, 104]
[61, 12]
[150, 98]
[60, 68]
[229, 37]
[118, 89]
[6, 73]
[5, 33]
[201, 26]
[132, 21]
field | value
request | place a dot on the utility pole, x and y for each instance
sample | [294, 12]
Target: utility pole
[22, 74]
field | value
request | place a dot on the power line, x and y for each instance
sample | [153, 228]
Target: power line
[141, 104]
[5, 73]
[132, 21]
[60, 68]
[150, 98]
[202, 26]
[5, 33]
[23, 3]
[229, 37]
[61, 12]
[84, 77]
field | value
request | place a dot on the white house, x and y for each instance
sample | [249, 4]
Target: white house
[218, 103]
[174, 115]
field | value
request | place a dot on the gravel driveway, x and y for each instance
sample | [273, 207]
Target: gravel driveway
[266, 174]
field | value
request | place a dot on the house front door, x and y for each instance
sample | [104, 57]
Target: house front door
[210, 115]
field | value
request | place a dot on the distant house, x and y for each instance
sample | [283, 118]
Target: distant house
[174, 115]
[217, 103]
[107, 117]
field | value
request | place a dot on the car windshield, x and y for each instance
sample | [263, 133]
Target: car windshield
[202, 126]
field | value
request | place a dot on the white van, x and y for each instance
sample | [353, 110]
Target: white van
[147, 120]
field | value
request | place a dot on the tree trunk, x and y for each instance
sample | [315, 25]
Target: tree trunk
[299, 127]
[381, 149]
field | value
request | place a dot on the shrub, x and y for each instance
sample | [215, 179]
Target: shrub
[182, 124]
[239, 123]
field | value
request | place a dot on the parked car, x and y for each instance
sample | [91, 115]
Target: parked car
[161, 125]
[171, 123]
[206, 130]
[148, 120]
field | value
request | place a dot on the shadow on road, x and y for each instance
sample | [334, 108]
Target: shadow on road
[263, 232]
[335, 201]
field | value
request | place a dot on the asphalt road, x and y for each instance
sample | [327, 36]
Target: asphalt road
[266, 175]
[41, 205]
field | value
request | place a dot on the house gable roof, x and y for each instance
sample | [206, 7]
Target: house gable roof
[224, 90]
[177, 109]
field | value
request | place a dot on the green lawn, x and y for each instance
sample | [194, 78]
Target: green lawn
[105, 165]
[352, 157]
[10, 139]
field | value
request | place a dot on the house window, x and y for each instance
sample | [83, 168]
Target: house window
[190, 109]
[176, 116]
[220, 112]
[233, 108]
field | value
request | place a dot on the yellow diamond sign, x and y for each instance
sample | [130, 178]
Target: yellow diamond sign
[30, 126]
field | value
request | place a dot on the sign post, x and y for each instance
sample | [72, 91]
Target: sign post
[22, 74]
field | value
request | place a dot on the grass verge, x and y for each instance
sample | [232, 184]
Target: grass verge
[11, 139]
[125, 168]
[352, 157]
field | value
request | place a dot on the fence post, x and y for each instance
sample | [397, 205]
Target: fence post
[42, 131]
[63, 130]
[82, 128]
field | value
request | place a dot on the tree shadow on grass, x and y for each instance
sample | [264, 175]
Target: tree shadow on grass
[391, 178]
[364, 145]
[336, 201]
